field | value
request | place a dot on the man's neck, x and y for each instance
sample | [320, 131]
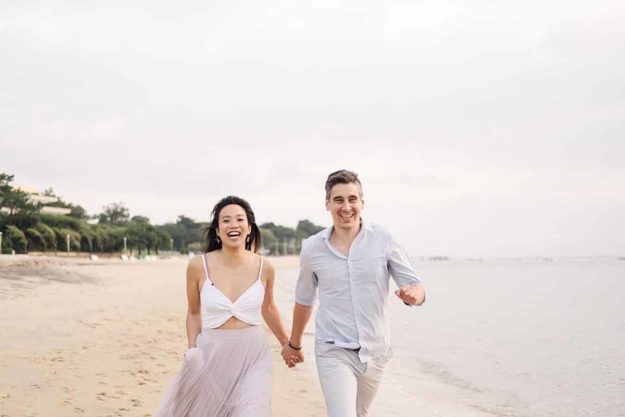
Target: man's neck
[342, 238]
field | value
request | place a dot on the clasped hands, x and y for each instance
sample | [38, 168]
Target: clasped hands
[291, 356]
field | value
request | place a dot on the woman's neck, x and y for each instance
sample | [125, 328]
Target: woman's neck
[233, 256]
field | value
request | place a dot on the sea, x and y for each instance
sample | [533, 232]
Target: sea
[507, 337]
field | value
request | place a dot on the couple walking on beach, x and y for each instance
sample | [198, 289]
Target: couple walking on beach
[226, 371]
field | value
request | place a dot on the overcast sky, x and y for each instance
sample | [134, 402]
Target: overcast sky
[478, 128]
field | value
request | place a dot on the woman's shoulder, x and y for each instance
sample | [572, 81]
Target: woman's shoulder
[258, 258]
[210, 257]
[195, 264]
[268, 267]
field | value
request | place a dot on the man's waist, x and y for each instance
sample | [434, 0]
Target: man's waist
[338, 343]
[364, 353]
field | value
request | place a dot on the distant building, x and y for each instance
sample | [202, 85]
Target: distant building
[39, 199]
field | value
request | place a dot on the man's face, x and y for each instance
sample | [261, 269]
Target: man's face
[345, 205]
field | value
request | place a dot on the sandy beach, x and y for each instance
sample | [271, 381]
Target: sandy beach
[104, 338]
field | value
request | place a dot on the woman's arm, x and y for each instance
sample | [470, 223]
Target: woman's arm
[270, 310]
[194, 319]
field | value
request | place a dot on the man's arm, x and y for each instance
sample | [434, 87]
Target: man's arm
[411, 290]
[301, 317]
[305, 297]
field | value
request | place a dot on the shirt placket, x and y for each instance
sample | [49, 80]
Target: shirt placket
[351, 273]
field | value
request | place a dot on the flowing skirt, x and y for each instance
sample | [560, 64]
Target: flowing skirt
[228, 374]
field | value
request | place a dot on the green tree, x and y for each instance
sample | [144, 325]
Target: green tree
[101, 238]
[77, 211]
[61, 239]
[280, 232]
[13, 199]
[36, 242]
[116, 214]
[140, 219]
[143, 236]
[5, 188]
[87, 236]
[56, 220]
[306, 228]
[164, 240]
[286, 237]
[184, 232]
[15, 240]
[136, 237]
[108, 238]
[48, 235]
[151, 239]
[269, 241]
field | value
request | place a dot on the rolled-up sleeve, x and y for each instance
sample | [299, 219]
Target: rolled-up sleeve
[399, 265]
[306, 286]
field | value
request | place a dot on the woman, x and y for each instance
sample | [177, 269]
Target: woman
[227, 369]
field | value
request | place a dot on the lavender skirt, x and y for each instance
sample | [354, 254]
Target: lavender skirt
[228, 374]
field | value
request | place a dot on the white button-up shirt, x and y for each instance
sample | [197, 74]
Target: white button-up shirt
[353, 290]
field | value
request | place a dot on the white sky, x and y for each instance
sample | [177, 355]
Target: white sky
[478, 128]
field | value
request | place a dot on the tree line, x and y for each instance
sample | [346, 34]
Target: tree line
[26, 229]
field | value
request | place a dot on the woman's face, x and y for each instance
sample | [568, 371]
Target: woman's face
[233, 227]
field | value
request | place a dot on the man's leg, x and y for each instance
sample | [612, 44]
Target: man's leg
[338, 382]
[368, 384]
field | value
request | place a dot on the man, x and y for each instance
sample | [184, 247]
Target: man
[348, 267]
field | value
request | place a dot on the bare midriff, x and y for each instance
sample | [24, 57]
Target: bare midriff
[233, 323]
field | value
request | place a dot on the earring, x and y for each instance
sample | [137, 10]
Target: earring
[217, 239]
[248, 239]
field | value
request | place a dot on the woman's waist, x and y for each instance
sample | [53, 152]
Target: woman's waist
[232, 332]
[230, 319]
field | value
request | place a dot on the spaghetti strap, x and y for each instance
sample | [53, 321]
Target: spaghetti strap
[205, 263]
[260, 270]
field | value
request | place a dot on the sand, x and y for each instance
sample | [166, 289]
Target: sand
[104, 338]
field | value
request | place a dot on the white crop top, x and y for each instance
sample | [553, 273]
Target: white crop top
[217, 308]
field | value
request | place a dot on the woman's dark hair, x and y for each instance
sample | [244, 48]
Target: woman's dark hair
[212, 242]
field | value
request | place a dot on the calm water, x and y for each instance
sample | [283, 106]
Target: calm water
[514, 338]
[520, 338]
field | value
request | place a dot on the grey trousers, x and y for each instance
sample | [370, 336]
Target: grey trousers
[349, 386]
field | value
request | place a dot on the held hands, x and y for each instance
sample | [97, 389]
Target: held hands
[413, 294]
[291, 356]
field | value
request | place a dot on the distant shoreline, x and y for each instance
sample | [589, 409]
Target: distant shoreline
[288, 261]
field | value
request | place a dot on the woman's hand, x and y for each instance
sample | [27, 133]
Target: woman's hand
[292, 356]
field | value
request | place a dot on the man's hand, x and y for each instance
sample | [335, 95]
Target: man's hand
[413, 294]
[291, 356]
